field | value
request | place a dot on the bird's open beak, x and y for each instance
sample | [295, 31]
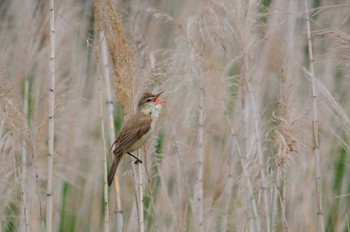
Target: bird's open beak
[155, 99]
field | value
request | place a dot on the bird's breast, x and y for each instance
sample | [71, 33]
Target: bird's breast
[140, 142]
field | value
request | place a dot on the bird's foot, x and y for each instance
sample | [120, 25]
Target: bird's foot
[137, 161]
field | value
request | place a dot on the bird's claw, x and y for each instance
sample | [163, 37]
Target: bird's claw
[137, 161]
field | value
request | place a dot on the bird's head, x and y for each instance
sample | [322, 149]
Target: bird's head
[149, 103]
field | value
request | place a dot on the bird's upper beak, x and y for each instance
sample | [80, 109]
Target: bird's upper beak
[155, 99]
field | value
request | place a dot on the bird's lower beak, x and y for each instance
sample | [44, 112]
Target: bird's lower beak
[155, 99]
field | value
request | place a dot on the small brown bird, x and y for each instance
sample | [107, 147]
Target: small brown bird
[136, 130]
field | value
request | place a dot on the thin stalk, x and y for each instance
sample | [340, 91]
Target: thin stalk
[179, 215]
[279, 198]
[198, 187]
[37, 185]
[140, 198]
[246, 175]
[285, 93]
[246, 116]
[228, 192]
[23, 196]
[118, 204]
[105, 183]
[283, 200]
[230, 182]
[111, 128]
[274, 210]
[315, 126]
[22, 175]
[257, 134]
[182, 187]
[24, 202]
[51, 131]
[250, 188]
[138, 192]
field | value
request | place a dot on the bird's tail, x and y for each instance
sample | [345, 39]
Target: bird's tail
[113, 169]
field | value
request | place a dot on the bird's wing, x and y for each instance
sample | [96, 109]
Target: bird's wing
[133, 130]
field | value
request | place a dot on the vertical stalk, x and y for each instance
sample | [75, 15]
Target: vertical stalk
[37, 187]
[198, 190]
[274, 209]
[283, 200]
[257, 134]
[230, 179]
[51, 120]
[105, 183]
[250, 189]
[247, 114]
[228, 192]
[279, 197]
[138, 192]
[111, 131]
[136, 195]
[246, 175]
[24, 202]
[140, 198]
[22, 175]
[314, 125]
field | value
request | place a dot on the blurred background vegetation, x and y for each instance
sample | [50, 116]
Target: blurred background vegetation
[247, 62]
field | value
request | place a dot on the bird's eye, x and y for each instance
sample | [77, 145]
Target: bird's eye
[148, 100]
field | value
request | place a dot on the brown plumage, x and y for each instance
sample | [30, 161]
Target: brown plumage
[136, 131]
[136, 128]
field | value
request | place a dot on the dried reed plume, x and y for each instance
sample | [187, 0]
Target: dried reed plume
[107, 20]
[236, 146]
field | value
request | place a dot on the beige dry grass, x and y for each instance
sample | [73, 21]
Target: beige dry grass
[250, 59]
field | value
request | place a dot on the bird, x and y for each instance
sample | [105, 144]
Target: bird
[136, 131]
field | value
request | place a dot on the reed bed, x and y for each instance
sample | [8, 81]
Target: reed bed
[254, 135]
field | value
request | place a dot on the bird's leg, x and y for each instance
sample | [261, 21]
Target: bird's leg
[138, 161]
